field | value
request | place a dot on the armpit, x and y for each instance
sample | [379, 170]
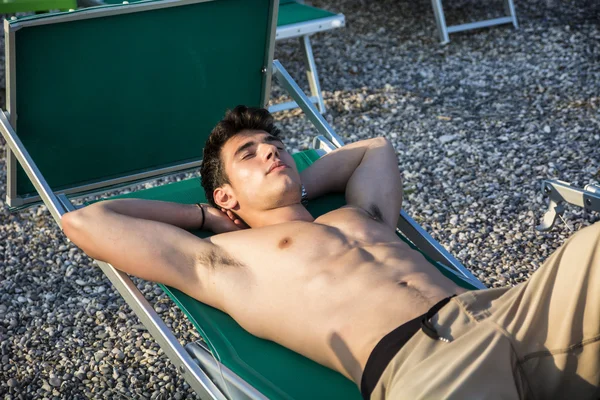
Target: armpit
[217, 258]
[375, 212]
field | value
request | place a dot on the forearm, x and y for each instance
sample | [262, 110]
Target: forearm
[331, 173]
[185, 216]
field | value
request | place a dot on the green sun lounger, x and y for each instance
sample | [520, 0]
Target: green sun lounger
[106, 112]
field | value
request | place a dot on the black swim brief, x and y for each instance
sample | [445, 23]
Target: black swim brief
[391, 344]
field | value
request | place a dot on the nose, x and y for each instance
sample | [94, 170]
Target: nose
[269, 151]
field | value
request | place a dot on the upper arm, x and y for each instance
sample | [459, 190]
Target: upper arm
[147, 249]
[376, 183]
[368, 173]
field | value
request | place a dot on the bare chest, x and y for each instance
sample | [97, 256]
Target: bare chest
[341, 252]
[327, 241]
[345, 235]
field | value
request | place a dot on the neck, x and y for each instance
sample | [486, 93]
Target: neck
[293, 212]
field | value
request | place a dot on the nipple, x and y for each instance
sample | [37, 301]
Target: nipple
[285, 242]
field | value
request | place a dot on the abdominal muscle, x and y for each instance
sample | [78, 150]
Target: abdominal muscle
[332, 297]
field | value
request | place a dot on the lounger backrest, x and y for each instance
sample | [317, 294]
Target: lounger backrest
[114, 91]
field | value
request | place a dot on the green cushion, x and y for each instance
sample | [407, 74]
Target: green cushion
[110, 96]
[291, 12]
[277, 372]
[15, 6]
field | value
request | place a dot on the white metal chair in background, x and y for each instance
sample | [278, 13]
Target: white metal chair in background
[444, 30]
[298, 20]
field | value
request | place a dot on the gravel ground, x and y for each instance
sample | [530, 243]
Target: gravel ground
[476, 124]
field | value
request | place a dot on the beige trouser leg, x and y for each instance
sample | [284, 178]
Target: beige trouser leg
[538, 340]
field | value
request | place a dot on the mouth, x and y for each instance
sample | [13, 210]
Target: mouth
[277, 166]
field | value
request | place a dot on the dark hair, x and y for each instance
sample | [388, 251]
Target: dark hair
[241, 118]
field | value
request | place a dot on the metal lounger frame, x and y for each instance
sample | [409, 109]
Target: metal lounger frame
[560, 192]
[196, 364]
[444, 30]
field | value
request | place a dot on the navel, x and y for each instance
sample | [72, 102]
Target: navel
[285, 242]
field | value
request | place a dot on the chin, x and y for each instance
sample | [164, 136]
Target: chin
[277, 193]
[282, 198]
[282, 201]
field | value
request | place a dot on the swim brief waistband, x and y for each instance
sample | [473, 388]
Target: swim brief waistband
[391, 344]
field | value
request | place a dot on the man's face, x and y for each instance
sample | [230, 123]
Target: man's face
[262, 174]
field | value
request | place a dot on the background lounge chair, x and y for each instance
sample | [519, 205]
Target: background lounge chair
[510, 17]
[15, 6]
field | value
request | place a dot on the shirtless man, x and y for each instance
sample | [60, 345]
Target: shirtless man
[331, 288]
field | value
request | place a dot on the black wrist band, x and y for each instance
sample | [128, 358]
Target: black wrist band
[199, 205]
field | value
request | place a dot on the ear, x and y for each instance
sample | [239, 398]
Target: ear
[225, 197]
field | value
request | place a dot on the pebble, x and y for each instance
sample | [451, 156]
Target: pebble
[99, 355]
[105, 370]
[55, 381]
[119, 355]
[476, 125]
[447, 138]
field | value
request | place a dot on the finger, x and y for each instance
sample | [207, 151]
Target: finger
[241, 223]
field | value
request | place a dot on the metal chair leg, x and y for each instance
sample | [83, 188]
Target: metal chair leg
[440, 20]
[311, 72]
[509, 9]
